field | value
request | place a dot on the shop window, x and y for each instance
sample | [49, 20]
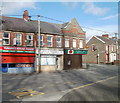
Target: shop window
[47, 60]
[58, 42]
[12, 65]
[49, 41]
[66, 42]
[20, 65]
[24, 65]
[28, 65]
[4, 65]
[6, 38]
[18, 39]
[29, 40]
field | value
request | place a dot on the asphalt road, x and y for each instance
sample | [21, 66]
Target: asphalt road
[55, 86]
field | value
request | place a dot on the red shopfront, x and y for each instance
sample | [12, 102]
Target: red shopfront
[17, 59]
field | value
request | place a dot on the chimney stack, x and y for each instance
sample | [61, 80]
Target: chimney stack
[26, 15]
[105, 35]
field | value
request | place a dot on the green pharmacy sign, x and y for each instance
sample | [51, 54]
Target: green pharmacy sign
[83, 52]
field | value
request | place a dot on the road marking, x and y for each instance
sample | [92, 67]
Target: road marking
[88, 84]
[23, 92]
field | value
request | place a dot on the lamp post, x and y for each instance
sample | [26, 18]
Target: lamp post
[86, 65]
[38, 61]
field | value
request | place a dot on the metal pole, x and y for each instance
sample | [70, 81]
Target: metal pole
[98, 54]
[38, 69]
[116, 46]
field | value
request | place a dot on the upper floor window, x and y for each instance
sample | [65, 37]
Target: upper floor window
[18, 39]
[58, 42]
[66, 42]
[6, 38]
[74, 43]
[81, 44]
[107, 48]
[41, 40]
[49, 41]
[29, 40]
[94, 47]
[112, 48]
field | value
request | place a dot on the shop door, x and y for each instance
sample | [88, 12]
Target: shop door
[58, 63]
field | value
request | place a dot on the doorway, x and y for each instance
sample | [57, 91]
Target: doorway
[58, 63]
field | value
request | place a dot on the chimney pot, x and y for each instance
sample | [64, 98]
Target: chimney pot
[26, 15]
[105, 35]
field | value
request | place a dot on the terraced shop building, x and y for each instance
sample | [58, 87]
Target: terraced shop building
[18, 42]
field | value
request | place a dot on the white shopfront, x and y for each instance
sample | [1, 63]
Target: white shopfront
[51, 59]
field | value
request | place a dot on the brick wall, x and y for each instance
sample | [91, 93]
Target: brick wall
[91, 57]
[35, 40]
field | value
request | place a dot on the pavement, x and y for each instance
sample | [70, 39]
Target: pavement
[62, 85]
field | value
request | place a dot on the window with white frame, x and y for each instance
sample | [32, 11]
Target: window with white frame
[66, 42]
[41, 40]
[81, 44]
[112, 48]
[49, 41]
[48, 60]
[74, 43]
[18, 39]
[58, 41]
[29, 40]
[6, 38]
[107, 48]
[94, 47]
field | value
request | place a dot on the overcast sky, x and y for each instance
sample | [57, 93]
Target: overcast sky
[92, 16]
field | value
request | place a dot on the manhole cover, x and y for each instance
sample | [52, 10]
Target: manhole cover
[25, 92]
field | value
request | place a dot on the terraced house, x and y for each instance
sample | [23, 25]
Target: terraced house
[102, 49]
[61, 45]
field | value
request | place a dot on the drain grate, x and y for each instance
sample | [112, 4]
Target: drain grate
[25, 92]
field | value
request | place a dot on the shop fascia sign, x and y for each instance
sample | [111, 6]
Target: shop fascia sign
[17, 49]
[83, 52]
[53, 51]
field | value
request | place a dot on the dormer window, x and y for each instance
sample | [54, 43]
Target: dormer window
[6, 38]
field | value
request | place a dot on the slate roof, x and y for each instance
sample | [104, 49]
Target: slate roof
[20, 25]
[106, 40]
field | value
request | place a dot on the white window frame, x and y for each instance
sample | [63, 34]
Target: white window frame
[41, 40]
[107, 48]
[19, 38]
[112, 48]
[50, 41]
[30, 39]
[67, 41]
[6, 38]
[59, 42]
[81, 43]
[93, 45]
[74, 43]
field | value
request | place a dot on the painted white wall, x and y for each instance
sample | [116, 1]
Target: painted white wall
[112, 57]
